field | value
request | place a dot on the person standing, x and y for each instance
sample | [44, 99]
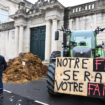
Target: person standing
[3, 66]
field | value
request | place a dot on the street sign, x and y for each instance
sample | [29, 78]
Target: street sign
[80, 76]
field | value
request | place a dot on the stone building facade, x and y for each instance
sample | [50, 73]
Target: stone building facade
[88, 16]
[33, 30]
[9, 7]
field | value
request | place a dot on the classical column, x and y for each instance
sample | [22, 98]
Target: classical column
[83, 24]
[94, 21]
[77, 24]
[70, 24]
[54, 28]
[48, 40]
[21, 39]
[16, 40]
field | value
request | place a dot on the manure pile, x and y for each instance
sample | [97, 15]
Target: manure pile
[27, 67]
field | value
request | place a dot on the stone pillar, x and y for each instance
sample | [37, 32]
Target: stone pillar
[95, 21]
[16, 40]
[48, 40]
[77, 24]
[54, 28]
[21, 39]
[83, 24]
[70, 24]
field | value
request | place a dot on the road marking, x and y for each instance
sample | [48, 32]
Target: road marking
[42, 103]
[7, 91]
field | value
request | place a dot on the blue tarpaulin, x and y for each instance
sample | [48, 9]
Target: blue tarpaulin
[87, 36]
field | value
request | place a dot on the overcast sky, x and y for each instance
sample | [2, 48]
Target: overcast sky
[69, 2]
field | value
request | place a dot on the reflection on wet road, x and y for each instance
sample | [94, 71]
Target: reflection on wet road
[35, 93]
[12, 99]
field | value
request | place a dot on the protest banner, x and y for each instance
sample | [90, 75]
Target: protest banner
[80, 76]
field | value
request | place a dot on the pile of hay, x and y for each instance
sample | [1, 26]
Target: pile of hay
[27, 67]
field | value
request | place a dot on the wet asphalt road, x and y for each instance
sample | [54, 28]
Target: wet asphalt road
[37, 91]
[13, 99]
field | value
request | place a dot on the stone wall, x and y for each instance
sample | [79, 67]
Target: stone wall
[45, 13]
[7, 40]
[7, 26]
[15, 36]
[87, 17]
[12, 6]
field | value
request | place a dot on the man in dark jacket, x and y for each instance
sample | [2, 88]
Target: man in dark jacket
[3, 66]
